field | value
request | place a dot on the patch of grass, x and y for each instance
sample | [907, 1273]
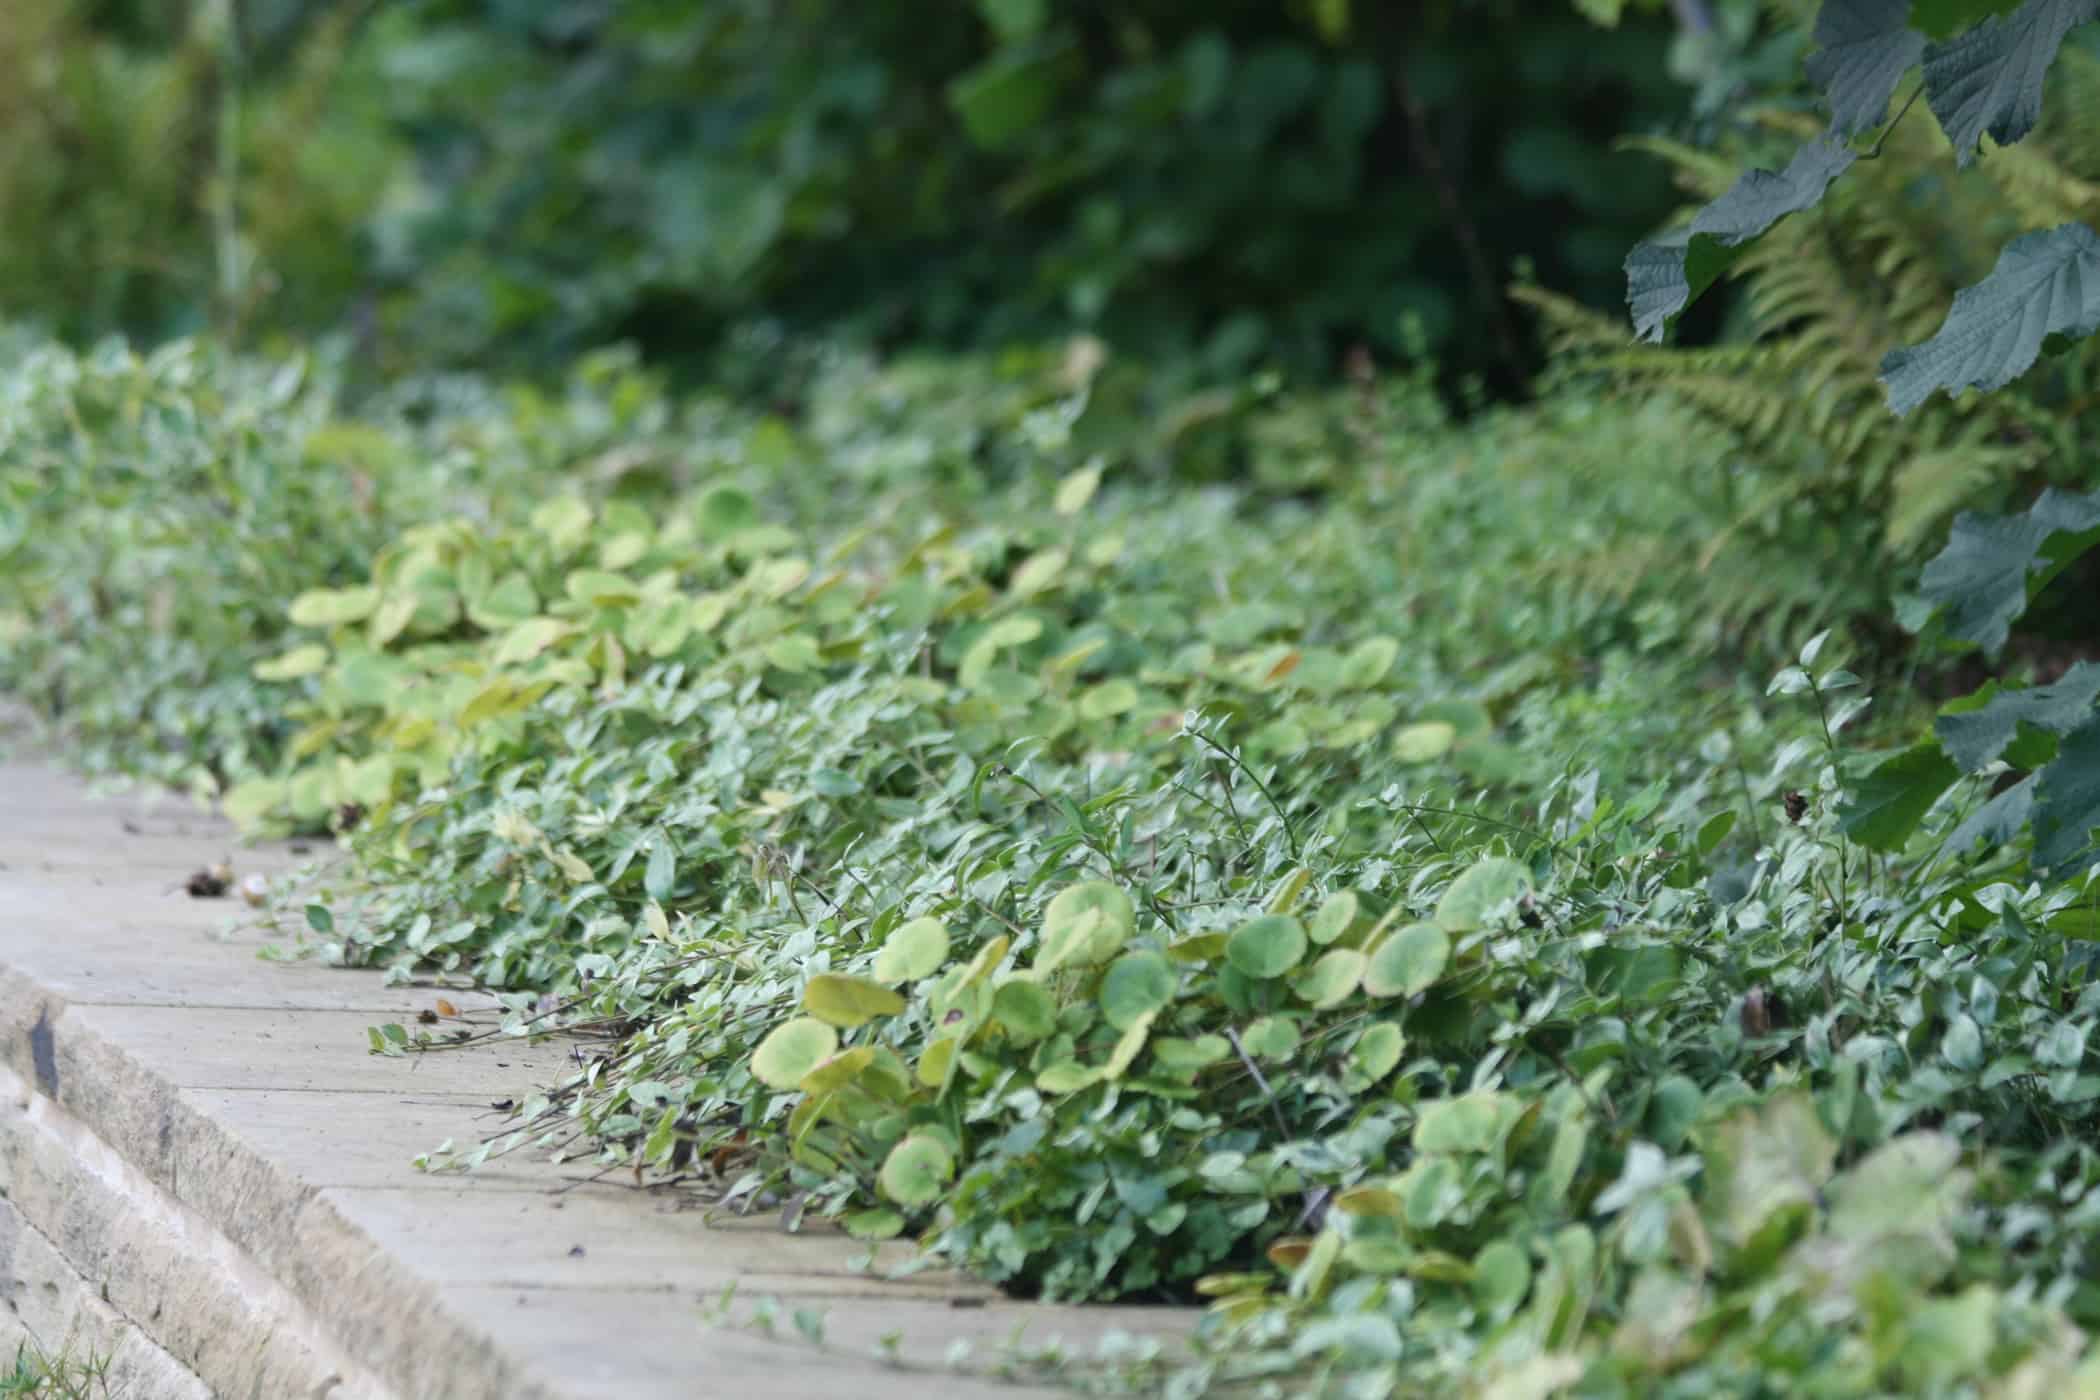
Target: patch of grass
[64, 1375]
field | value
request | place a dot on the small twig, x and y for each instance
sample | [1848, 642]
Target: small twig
[1232, 755]
[1260, 1082]
[1894, 121]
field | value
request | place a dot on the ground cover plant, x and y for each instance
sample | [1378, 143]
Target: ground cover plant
[1484, 905]
[1314, 894]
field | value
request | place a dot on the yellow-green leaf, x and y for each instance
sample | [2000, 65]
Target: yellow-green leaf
[848, 1001]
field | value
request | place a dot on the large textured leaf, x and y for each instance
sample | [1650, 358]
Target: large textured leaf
[1978, 730]
[1663, 275]
[1996, 821]
[2045, 284]
[1981, 727]
[2067, 803]
[1864, 47]
[1891, 801]
[1993, 564]
[1990, 78]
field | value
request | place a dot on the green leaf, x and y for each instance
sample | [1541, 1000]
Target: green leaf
[846, 1001]
[1376, 1052]
[528, 639]
[1271, 1038]
[1993, 565]
[1864, 47]
[1977, 729]
[1997, 821]
[1664, 276]
[1989, 80]
[1894, 798]
[1473, 1122]
[1331, 978]
[916, 1170]
[1715, 830]
[791, 1050]
[662, 871]
[2044, 284]
[1077, 489]
[1025, 1009]
[330, 607]
[723, 509]
[319, 919]
[1268, 946]
[1008, 94]
[1501, 1276]
[913, 950]
[1479, 892]
[299, 661]
[1425, 742]
[1086, 924]
[1068, 1077]
[1135, 985]
[1408, 962]
[877, 1224]
[2067, 803]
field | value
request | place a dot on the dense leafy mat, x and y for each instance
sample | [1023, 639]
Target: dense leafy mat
[1320, 895]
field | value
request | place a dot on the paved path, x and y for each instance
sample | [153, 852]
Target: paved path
[205, 1176]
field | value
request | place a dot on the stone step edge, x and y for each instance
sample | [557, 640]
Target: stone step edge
[238, 1269]
[63, 1319]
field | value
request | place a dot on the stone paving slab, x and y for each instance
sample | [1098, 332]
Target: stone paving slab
[202, 1163]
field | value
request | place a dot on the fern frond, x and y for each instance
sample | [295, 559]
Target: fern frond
[1569, 326]
[1929, 487]
[2042, 191]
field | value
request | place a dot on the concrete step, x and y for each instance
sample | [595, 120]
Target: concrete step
[205, 1178]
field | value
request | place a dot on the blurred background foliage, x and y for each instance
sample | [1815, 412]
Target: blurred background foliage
[506, 182]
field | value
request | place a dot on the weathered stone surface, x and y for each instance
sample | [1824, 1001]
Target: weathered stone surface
[48, 1307]
[201, 1133]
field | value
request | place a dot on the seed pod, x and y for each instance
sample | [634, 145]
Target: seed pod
[256, 890]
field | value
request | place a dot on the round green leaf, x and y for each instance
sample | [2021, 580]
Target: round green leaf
[1377, 1051]
[1135, 985]
[299, 661]
[1268, 946]
[880, 1223]
[722, 510]
[1025, 1009]
[792, 1050]
[1271, 1038]
[1407, 962]
[1331, 978]
[916, 1170]
[600, 588]
[837, 1071]
[1425, 742]
[1108, 699]
[1501, 1276]
[528, 639]
[1067, 1077]
[913, 950]
[848, 1001]
[329, 607]
[1335, 917]
[936, 1060]
[1483, 889]
[1086, 924]
[1173, 1053]
[1368, 662]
